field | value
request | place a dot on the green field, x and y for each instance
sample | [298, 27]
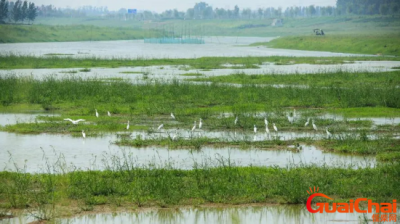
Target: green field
[374, 43]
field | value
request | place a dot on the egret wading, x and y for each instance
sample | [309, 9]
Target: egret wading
[73, 121]
[194, 126]
[200, 124]
[108, 113]
[267, 129]
[172, 115]
[307, 122]
[328, 134]
[314, 126]
[127, 126]
[160, 127]
[255, 129]
[266, 121]
[236, 120]
[83, 134]
[97, 114]
[275, 128]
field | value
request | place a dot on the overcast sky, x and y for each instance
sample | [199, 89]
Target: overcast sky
[161, 5]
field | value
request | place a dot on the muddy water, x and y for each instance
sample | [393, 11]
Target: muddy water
[215, 46]
[66, 152]
[233, 215]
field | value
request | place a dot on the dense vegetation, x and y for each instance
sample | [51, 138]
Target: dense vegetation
[125, 184]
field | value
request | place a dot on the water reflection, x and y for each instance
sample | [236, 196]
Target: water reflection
[235, 215]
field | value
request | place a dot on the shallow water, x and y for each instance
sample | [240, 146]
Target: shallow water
[215, 46]
[234, 215]
[66, 152]
[175, 72]
[13, 118]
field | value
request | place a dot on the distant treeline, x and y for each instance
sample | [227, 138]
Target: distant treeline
[17, 11]
[202, 10]
[368, 7]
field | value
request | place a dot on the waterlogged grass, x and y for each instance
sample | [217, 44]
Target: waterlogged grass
[385, 148]
[366, 112]
[163, 98]
[12, 61]
[340, 78]
[195, 142]
[192, 74]
[125, 185]
[378, 44]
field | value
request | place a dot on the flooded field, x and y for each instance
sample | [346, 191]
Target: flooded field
[149, 138]
[215, 46]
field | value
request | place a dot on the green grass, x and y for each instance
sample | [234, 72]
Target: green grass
[374, 43]
[339, 78]
[192, 74]
[131, 72]
[366, 112]
[160, 98]
[42, 33]
[18, 61]
[124, 184]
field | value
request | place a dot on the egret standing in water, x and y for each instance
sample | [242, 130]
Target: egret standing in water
[83, 134]
[127, 126]
[290, 119]
[314, 126]
[97, 114]
[236, 120]
[161, 126]
[267, 129]
[275, 128]
[255, 129]
[194, 126]
[172, 115]
[73, 121]
[200, 124]
[108, 113]
[308, 121]
[266, 121]
[328, 134]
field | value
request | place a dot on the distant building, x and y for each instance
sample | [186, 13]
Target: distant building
[277, 22]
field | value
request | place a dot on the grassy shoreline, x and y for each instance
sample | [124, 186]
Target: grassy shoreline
[376, 44]
[126, 186]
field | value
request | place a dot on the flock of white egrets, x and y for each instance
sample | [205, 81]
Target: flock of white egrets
[200, 124]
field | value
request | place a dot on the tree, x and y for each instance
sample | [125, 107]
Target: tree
[32, 11]
[236, 12]
[24, 11]
[16, 12]
[3, 10]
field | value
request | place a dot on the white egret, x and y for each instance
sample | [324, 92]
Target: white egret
[174, 136]
[308, 121]
[266, 121]
[314, 126]
[290, 119]
[73, 121]
[97, 114]
[83, 134]
[267, 129]
[200, 124]
[194, 126]
[236, 120]
[328, 134]
[108, 113]
[275, 128]
[127, 126]
[172, 115]
[255, 129]
[161, 126]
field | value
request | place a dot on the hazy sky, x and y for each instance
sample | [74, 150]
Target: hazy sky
[161, 5]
